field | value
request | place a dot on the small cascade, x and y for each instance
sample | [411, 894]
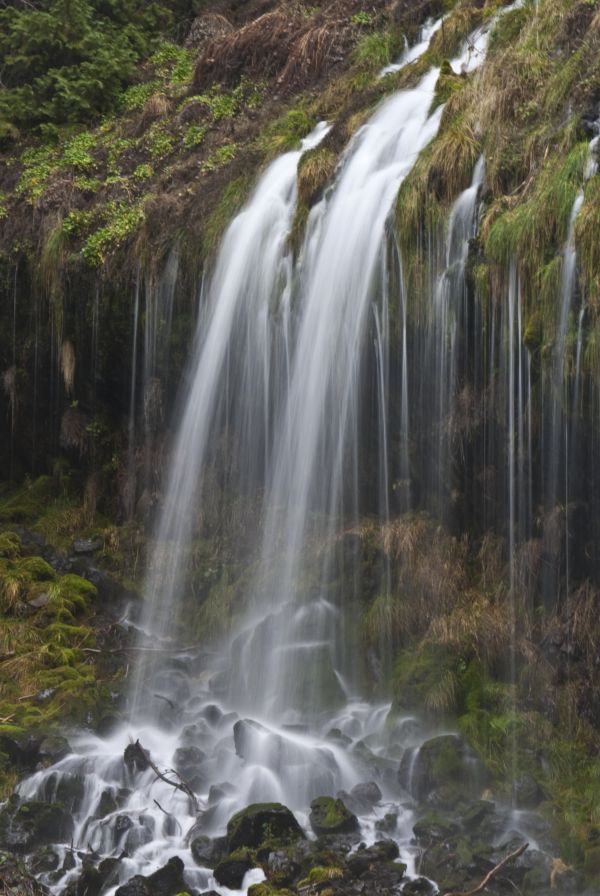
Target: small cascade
[444, 395]
[564, 387]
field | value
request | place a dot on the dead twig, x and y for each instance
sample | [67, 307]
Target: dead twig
[491, 874]
[178, 786]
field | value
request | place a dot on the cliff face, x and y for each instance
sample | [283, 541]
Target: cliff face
[488, 549]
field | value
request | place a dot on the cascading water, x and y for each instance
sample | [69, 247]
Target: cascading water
[276, 391]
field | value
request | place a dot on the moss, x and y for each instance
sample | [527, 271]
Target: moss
[287, 130]
[378, 49]
[320, 874]
[10, 545]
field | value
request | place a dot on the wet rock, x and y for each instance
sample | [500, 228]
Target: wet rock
[120, 825]
[168, 880]
[136, 886]
[367, 794]
[283, 867]
[218, 791]
[443, 770]
[388, 823]
[33, 824]
[16, 880]
[527, 792]
[420, 886]
[52, 749]
[87, 545]
[186, 762]
[231, 870]
[21, 750]
[206, 852]
[92, 880]
[263, 823]
[64, 788]
[39, 600]
[43, 860]
[434, 827]
[212, 713]
[337, 737]
[135, 759]
[330, 816]
[475, 815]
[365, 859]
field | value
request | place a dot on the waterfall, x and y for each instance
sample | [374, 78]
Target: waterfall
[276, 405]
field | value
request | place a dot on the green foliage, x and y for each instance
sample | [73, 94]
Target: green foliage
[231, 201]
[377, 49]
[136, 95]
[144, 171]
[362, 18]
[194, 135]
[174, 62]
[220, 157]
[67, 61]
[159, 143]
[77, 151]
[122, 220]
[286, 131]
[38, 165]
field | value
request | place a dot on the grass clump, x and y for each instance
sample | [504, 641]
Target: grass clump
[122, 221]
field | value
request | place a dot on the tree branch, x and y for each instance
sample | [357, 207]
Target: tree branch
[491, 874]
[182, 785]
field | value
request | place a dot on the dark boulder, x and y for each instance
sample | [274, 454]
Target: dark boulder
[231, 870]
[34, 824]
[261, 824]
[53, 748]
[330, 816]
[444, 771]
[187, 762]
[167, 881]
[135, 758]
[370, 857]
[16, 880]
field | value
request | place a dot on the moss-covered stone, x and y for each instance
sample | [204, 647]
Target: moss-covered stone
[261, 824]
[330, 816]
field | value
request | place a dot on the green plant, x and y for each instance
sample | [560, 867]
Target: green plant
[194, 135]
[362, 18]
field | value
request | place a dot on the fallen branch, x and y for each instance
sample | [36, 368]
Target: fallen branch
[173, 650]
[181, 785]
[491, 874]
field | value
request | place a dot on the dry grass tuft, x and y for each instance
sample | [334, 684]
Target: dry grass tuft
[67, 365]
[315, 52]
[315, 171]
[261, 48]
[156, 107]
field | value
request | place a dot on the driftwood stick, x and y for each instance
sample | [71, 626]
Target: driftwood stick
[491, 874]
[181, 785]
[173, 650]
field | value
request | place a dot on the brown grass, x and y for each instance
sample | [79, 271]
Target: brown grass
[261, 49]
[316, 52]
[156, 107]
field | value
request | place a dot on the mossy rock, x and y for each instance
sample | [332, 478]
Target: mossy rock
[16, 880]
[330, 816]
[434, 827]
[33, 824]
[263, 824]
[231, 870]
[265, 889]
[444, 770]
